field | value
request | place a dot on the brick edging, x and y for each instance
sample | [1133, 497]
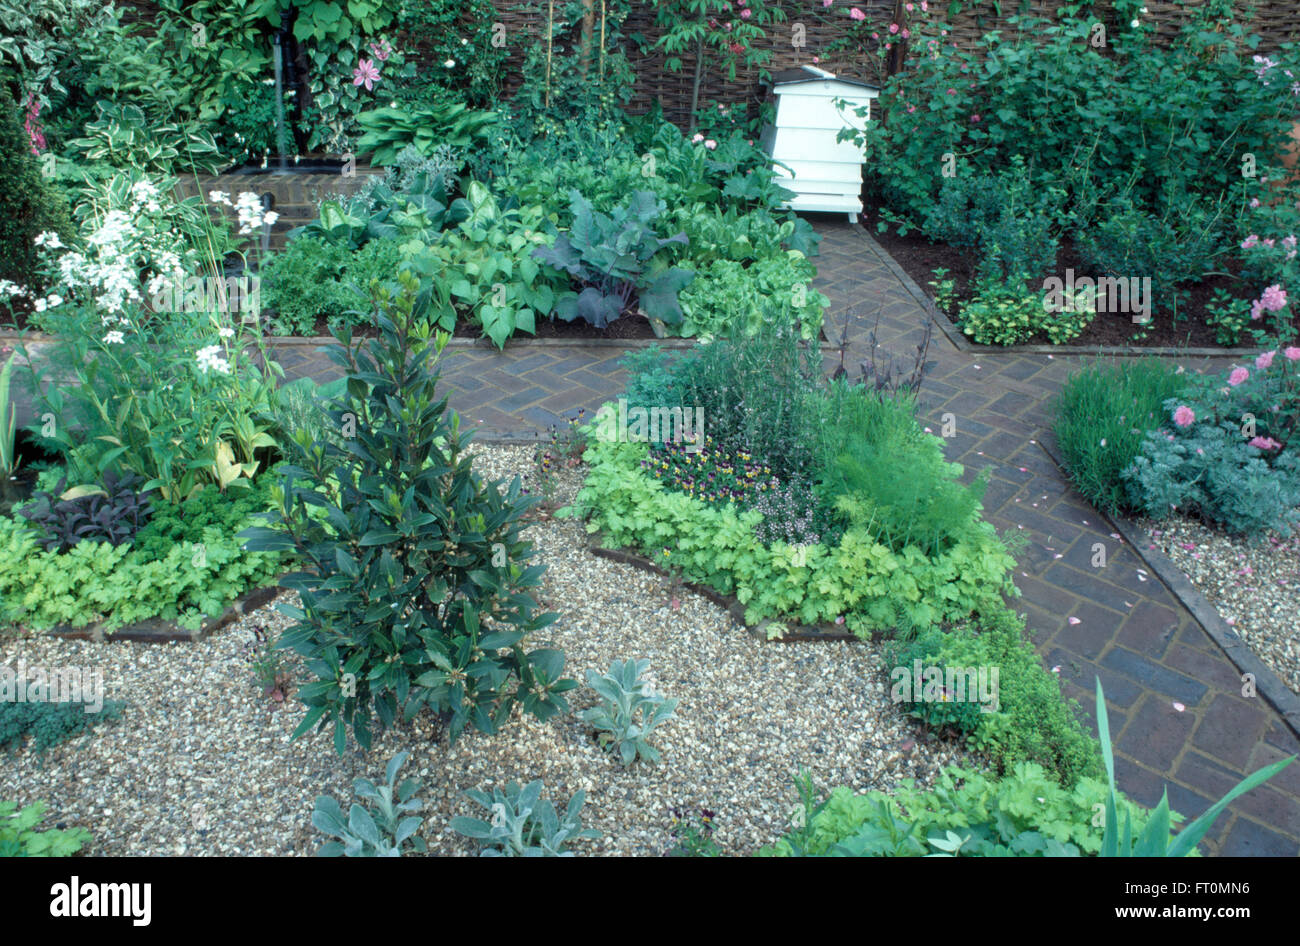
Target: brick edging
[1275, 692]
[962, 343]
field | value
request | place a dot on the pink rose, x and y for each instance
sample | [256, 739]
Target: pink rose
[1274, 298]
[1264, 443]
[746, 14]
[710, 144]
[1238, 375]
[857, 14]
[1184, 416]
[893, 27]
[906, 34]
[1292, 354]
[1265, 361]
[1249, 242]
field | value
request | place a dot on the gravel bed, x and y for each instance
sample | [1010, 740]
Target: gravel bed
[201, 763]
[1255, 588]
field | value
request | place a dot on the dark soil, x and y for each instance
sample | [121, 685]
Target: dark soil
[629, 326]
[919, 257]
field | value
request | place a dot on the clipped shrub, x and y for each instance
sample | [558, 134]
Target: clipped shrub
[415, 580]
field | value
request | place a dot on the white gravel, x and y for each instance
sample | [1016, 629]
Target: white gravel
[201, 762]
[1255, 588]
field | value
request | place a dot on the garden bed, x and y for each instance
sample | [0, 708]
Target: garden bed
[920, 257]
[196, 733]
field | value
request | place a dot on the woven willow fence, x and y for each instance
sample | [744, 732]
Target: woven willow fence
[823, 28]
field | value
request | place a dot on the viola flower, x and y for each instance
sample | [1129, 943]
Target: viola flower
[1238, 376]
[1184, 416]
[1265, 361]
[365, 74]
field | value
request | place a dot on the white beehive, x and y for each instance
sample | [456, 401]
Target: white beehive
[827, 173]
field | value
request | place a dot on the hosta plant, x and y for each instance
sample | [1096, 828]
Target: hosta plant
[628, 710]
[523, 824]
[415, 581]
[380, 831]
[615, 262]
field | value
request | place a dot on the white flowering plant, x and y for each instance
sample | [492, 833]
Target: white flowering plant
[155, 366]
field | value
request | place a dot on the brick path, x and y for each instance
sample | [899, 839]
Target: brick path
[1148, 650]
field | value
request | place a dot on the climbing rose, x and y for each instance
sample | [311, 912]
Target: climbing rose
[893, 27]
[746, 14]
[1238, 375]
[1265, 360]
[857, 14]
[1274, 298]
[1292, 354]
[1184, 416]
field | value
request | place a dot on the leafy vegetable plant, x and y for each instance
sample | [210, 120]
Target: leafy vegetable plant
[613, 260]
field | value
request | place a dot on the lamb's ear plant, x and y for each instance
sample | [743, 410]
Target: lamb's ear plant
[628, 710]
[523, 823]
[1154, 840]
[380, 831]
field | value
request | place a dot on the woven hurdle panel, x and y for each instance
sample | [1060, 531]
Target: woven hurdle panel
[1276, 21]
